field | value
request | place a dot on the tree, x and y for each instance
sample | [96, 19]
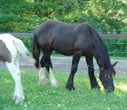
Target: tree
[24, 15]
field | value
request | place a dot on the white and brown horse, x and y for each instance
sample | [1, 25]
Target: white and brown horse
[10, 50]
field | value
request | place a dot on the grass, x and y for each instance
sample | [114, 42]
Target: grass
[49, 98]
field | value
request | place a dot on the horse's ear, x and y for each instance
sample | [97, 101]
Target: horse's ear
[114, 64]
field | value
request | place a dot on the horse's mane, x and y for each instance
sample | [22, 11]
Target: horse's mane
[101, 49]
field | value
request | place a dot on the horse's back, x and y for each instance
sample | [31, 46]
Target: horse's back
[65, 38]
[8, 40]
[59, 29]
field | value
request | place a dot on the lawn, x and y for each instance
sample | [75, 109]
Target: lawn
[38, 97]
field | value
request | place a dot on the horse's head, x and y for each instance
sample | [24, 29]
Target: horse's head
[106, 77]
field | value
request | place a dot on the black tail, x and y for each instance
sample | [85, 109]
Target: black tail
[36, 52]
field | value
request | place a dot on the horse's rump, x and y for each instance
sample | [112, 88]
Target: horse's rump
[20, 47]
[4, 52]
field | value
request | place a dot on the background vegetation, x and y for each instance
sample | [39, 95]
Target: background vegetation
[107, 16]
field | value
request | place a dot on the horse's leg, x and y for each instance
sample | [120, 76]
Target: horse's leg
[17, 63]
[42, 72]
[48, 65]
[93, 81]
[18, 91]
[75, 61]
[53, 80]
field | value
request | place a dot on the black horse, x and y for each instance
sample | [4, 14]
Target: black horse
[78, 39]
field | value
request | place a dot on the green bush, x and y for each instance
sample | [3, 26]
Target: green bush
[25, 15]
[116, 47]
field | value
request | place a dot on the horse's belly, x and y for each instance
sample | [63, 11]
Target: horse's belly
[64, 51]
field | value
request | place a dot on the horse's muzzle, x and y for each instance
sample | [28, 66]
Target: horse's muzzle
[110, 89]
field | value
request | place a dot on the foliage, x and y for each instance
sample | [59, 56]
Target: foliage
[116, 47]
[24, 15]
[49, 98]
[107, 15]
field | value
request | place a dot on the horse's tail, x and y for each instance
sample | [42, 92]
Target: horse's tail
[22, 50]
[36, 52]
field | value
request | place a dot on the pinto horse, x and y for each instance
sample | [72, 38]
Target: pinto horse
[10, 50]
[78, 39]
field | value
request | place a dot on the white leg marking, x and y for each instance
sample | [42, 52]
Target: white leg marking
[53, 79]
[18, 92]
[42, 75]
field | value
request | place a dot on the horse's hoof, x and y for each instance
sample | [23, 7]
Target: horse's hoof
[96, 87]
[55, 84]
[42, 82]
[18, 99]
[70, 88]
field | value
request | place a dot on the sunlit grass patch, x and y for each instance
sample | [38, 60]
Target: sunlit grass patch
[38, 97]
[122, 87]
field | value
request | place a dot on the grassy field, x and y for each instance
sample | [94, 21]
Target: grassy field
[49, 98]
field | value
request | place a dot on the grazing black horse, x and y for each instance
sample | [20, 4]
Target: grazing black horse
[78, 39]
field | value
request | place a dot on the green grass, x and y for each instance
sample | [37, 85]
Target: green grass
[49, 98]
